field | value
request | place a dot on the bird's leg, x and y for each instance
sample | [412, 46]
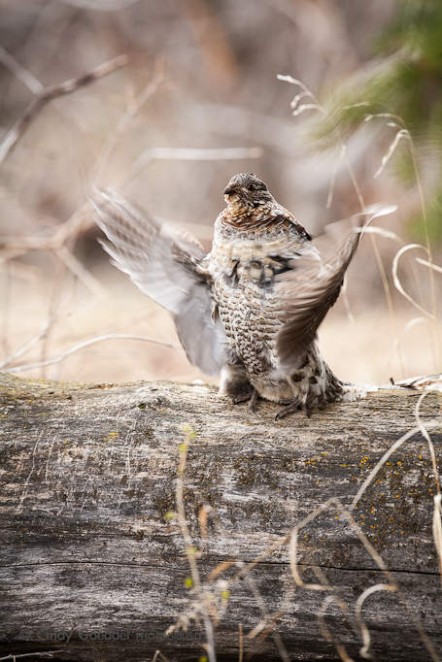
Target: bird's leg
[296, 404]
[253, 401]
[243, 396]
[235, 384]
[286, 410]
[306, 407]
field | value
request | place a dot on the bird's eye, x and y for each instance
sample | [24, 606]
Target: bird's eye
[258, 187]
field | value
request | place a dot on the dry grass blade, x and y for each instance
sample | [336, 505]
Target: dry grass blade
[334, 177]
[437, 511]
[387, 234]
[158, 655]
[43, 654]
[393, 448]
[267, 622]
[426, 436]
[297, 107]
[396, 122]
[203, 607]
[325, 630]
[430, 265]
[437, 529]
[347, 515]
[365, 632]
[400, 135]
[220, 568]
[203, 519]
[410, 325]
[396, 279]
[241, 643]
[293, 554]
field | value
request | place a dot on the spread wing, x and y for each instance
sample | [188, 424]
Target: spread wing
[309, 290]
[166, 266]
[306, 294]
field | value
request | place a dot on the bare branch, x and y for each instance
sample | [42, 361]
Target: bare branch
[147, 93]
[23, 75]
[24, 349]
[83, 345]
[75, 266]
[49, 93]
[101, 5]
[193, 154]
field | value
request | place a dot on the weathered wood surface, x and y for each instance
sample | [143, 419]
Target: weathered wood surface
[93, 565]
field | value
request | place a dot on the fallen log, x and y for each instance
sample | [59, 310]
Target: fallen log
[157, 517]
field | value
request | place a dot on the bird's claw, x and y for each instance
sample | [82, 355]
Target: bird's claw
[292, 408]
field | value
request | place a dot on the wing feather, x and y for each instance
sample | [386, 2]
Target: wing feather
[164, 265]
[309, 290]
[306, 295]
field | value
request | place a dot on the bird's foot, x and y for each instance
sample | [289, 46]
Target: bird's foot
[287, 410]
[292, 408]
[239, 398]
[242, 393]
[235, 384]
[250, 396]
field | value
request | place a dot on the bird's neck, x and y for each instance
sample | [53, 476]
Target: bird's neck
[238, 220]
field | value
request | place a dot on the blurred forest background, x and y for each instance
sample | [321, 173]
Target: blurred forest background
[354, 118]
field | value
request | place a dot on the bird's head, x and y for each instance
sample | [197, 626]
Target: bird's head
[246, 190]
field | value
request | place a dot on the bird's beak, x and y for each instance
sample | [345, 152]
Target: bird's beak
[230, 194]
[229, 190]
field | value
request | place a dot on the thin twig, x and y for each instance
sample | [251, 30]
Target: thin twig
[47, 94]
[128, 117]
[6, 318]
[101, 5]
[192, 154]
[77, 269]
[23, 75]
[24, 349]
[47, 654]
[83, 345]
[53, 306]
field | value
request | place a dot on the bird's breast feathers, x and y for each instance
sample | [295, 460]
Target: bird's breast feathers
[257, 261]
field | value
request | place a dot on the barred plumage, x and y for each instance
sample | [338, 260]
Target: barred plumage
[248, 310]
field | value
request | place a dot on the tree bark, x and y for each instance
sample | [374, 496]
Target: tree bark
[130, 509]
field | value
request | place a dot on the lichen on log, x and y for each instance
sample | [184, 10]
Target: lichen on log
[95, 562]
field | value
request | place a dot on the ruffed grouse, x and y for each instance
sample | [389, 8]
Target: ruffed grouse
[249, 310]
